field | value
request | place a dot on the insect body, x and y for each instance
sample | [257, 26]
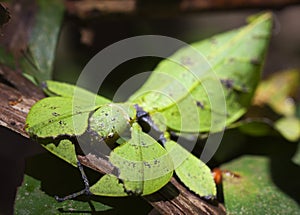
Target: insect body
[112, 120]
[181, 96]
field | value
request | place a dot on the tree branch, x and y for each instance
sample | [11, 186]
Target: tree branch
[174, 198]
[92, 8]
[17, 95]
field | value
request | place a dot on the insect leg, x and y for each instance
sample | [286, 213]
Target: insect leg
[148, 126]
[85, 180]
[162, 139]
[85, 191]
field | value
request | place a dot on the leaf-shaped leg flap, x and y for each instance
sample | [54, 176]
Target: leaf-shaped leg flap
[144, 166]
[191, 170]
[56, 116]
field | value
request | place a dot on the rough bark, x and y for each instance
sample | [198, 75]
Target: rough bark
[17, 95]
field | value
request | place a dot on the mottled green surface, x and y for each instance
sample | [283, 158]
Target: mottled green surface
[54, 88]
[252, 190]
[144, 165]
[108, 185]
[112, 120]
[289, 127]
[64, 150]
[182, 100]
[191, 86]
[56, 116]
[277, 92]
[296, 157]
[191, 171]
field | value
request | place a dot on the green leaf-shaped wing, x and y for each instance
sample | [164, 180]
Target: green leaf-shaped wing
[190, 88]
[61, 115]
[55, 88]
[56, 116]
[191, 171]
[66, 113]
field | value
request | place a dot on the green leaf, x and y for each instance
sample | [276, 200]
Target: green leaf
[31, 199]
[108, 185]
[277, 91]
[296, 157]
[191, 171]
[55, 88]
[143, 164]
[56, 116]
[64, 150]
[289, 127]
[251, 190]
[43, 40]
[188, 92]
[255, 127]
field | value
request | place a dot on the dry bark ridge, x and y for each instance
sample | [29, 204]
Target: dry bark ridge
[17, 95]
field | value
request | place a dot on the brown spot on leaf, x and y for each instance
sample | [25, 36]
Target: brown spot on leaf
[200, 104]
[55, 114]
[255, 62]
[147, 164]
[63, 123]
[213, 41]
[245, 89]
[231, 60]
[228, 83]
[260, 36]
[187, 61]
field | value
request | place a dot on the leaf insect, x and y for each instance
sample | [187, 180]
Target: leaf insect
[137, 133]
